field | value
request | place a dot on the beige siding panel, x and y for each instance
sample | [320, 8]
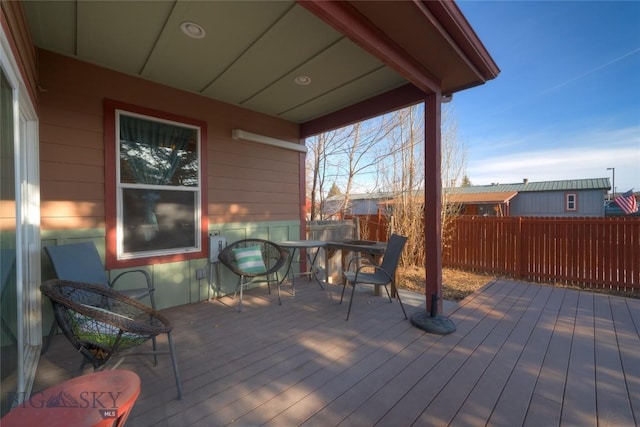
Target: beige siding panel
[78, 172]
[252, 197]
[71, 157]
[219, 185]
[249, 162]
[220, 213]
[256, 165]
[247, 182]
[63, 209]
[73, 137]
[8, 224]
[73, 100]
[71, 119]
[240, 148]
[65, 215]
[72, 223]
[268, 175]
[71, 191]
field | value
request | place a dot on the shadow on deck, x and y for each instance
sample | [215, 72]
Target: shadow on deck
[523, 354]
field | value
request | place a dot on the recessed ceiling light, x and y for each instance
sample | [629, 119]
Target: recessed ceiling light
[192, 30]
[302, 80]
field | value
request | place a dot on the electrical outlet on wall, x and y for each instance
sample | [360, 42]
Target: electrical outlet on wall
[199, 273]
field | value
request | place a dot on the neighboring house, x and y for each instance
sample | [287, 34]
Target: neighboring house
[357, 204]
[574, 197]
[146, 126]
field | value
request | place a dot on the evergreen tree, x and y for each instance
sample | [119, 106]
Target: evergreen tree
[334, 191]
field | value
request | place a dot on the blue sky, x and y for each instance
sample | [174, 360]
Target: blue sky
[566, 104]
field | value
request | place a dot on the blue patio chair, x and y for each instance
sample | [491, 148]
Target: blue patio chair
[382, 275]
[81, 262]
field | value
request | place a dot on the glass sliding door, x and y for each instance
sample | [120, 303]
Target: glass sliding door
[9, 355]
[20, 306]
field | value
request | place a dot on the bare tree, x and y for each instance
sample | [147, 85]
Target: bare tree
[453, 169]
[321, 155]
[387, 155]
[343, 157]
[404, 177]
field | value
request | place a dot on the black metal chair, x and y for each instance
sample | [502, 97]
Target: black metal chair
[100, 323]
[251, 258]
[382, 275]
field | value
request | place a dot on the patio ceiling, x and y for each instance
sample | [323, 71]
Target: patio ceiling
[378, 55]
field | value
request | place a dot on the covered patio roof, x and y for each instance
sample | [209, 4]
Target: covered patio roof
[319, 64]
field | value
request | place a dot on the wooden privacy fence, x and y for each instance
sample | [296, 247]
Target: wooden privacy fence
[371, 227]
[593, 252]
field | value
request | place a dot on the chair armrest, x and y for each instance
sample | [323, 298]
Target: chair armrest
[376, 268]
[146, 275]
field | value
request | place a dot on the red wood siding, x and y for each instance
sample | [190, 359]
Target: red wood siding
[15, 26]
[246, 181]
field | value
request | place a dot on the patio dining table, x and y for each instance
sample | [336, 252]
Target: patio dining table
[308, 246]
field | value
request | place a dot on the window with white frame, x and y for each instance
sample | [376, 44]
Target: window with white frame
[158, 186]
[571, 203]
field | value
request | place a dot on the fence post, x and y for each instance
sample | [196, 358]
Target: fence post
[519, 248]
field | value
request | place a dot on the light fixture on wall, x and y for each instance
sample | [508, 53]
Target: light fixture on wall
[193, 30]
[267, 140]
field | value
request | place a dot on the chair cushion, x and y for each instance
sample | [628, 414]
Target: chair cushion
[250, 259]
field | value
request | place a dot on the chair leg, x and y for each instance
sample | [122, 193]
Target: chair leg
[47, 343]
[344, 286]
[399, 300]
[174, 364]
[388, 294]
[278, 287]
[241, 290]
[237, 287]
[155, 354]
[153, 299]
[353, 294]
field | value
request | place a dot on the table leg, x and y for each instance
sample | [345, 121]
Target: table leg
[286, 274]
[377, 259]
[312, 266]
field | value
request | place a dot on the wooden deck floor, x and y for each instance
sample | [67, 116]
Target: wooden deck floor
[522, 354]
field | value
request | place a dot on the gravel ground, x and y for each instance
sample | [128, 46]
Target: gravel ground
[456, 284]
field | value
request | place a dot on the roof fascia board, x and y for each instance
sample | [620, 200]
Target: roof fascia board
[447, 17]
[392, 100]
[436, 24]
[349, 22]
